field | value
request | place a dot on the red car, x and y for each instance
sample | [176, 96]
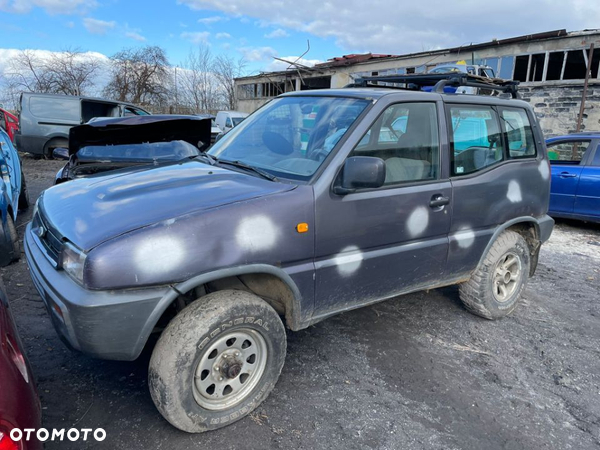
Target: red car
[19, 401]
[10, 123]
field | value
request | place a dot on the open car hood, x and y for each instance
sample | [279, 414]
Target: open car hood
[139, 129]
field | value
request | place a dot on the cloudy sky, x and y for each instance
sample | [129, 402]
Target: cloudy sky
[259, 30]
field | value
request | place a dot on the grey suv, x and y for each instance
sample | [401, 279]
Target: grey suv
[307, 209]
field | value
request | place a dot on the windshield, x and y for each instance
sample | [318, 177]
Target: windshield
[449, 69]
[148, 151]
[290, 137]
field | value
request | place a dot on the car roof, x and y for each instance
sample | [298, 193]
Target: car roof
[370, 93]
[580, 134]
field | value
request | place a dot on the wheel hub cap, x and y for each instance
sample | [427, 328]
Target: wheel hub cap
[229, 369]
[507, 277]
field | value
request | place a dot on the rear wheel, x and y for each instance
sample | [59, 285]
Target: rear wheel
[495, 288]
[217, 360]
[12, 239]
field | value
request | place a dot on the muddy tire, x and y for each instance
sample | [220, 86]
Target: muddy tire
[12, 238]
[216, 361]
[495, 288]
[24, 195]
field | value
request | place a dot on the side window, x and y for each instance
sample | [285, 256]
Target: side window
[475, 139]
[569, 152]
[521, 143]
[228, 122]
[406, 137]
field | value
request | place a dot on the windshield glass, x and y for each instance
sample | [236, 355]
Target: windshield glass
[290, 137]
[446, 70]
[149, 151]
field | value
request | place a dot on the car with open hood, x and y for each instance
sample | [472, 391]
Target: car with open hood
[314, 205]
[123, 143]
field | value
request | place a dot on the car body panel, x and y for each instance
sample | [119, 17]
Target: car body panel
[19, 402]
[10, 123]
[205, 221]
[10, 191]
[575, 191]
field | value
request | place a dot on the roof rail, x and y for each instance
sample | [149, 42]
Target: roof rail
[440, 80]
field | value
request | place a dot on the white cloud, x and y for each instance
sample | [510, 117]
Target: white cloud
[402, 26]
[135, 36]
[278, 33]
[223, 36]
[254, 54]
[195, 37]
[211, 20]
[50, 6]
[277, 65]
[96, 26]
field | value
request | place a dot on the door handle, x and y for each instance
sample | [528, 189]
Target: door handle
[567, 175]
[439, 200]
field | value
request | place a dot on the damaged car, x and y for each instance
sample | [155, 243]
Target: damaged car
[306, 209]
[127, 142]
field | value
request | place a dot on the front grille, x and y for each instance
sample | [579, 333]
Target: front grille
[49, 237]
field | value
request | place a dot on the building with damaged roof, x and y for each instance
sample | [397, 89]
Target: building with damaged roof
[550, 66]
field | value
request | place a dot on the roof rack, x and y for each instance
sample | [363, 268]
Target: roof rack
[440, 80]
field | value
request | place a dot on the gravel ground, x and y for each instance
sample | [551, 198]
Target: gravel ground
[414, 372]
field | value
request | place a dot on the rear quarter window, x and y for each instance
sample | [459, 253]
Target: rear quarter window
[55, 108]
[521, 143]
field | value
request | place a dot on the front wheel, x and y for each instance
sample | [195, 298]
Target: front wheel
[495, 288]
[216, 361]
[24, 195]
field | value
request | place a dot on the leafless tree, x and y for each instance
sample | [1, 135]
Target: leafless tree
[226, 69]
[72, 72]
[69, 72]
[140, 75]
[197, 84]
[27, 72]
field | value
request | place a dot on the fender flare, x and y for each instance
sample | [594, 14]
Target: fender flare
[198, 280]
[543, 228]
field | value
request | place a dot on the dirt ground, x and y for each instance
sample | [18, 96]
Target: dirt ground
[415, 372]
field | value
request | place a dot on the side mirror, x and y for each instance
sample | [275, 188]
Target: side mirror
[61, 153]
[361, 172]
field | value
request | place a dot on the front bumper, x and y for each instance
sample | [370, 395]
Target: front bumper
[105, 324]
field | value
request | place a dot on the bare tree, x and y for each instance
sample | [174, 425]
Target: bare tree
[72, 72]
[198, 86]
[140, 75]
[226, 70]
[69, 72]
[27, 72]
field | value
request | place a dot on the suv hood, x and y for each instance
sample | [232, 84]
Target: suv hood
[89, 211]
[137, 129]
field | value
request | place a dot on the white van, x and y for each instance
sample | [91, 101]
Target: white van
[226, 120]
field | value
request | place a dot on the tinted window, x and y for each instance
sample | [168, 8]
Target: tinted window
[237, 120]
[520, 138]
[475, 138]
[290, 136]
[405, 136]
[58, 108]
[567, 152]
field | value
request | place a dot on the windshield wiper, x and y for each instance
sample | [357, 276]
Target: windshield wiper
[211, 160]
[243, 165]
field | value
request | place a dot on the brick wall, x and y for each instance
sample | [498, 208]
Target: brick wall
[557, 107]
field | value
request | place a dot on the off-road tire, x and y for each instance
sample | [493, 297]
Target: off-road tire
[24, 195]
[477, 294]
[187, 340]
[12, 237]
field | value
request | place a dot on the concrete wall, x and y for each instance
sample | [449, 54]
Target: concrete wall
[557, 106]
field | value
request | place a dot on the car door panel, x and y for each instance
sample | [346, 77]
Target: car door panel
[587, 200]
[566, 169]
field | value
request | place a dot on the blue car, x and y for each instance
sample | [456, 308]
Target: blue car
[13, 197]
[575, 166]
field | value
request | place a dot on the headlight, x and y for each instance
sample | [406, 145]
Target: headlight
[72, 261]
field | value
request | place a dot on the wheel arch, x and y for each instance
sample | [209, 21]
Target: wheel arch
[270, 283]
[526, 226]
